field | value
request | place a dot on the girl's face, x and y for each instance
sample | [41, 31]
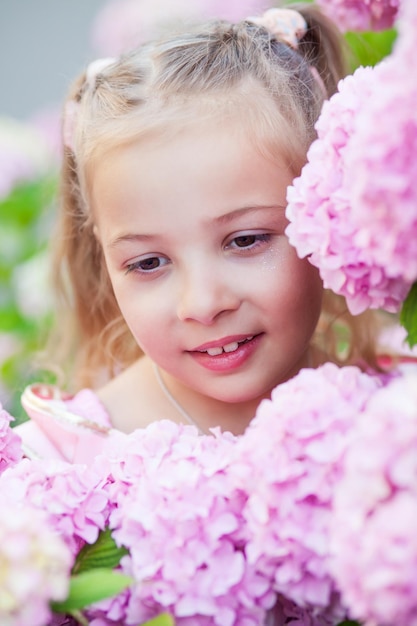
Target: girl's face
[192, 230]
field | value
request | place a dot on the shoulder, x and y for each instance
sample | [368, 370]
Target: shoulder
[61, 426]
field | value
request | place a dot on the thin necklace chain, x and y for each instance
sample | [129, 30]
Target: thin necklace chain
[178, 406]
[174, 402]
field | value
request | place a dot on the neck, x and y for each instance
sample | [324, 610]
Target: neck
[206, 412]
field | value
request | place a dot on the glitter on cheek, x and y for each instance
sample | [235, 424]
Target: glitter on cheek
[275, 258]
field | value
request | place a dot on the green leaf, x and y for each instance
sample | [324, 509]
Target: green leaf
[408, 316]
[28, 200]
[161, 620]
[349, 622]
[90, 587]
[104, 553]
[370, 47]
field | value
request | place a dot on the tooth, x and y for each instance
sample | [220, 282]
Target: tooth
[215, 351]
[231, 347]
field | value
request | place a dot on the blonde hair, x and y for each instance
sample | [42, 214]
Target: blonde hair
[208, 71]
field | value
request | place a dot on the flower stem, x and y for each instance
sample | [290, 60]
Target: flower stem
[79, 617]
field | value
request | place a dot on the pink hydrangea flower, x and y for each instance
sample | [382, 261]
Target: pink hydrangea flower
[35, 564]
[323, 222]
[381, 171]
[179, 514]
[73, 496]
[10, 442]
[290, 461]
[381, 168]
[373, 534]
[361, 14]
[123, 24]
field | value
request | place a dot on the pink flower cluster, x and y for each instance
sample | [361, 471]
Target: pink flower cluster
[10, 444]
[181, 520]
[373, 534]
[50, 509]
[73, 496]
[290, 462]
[361, 15]
[123, 24]
[35, 564]
[353, 210]
[309, 516]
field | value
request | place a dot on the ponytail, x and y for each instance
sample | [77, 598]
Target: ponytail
[323, 46]
[88, 319]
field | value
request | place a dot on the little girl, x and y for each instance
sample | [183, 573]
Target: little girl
[180, 292]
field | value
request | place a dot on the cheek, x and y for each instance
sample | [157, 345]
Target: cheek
[310, 291]
[142, 311]
[294, 287]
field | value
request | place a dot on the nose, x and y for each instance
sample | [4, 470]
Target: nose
[205, 294]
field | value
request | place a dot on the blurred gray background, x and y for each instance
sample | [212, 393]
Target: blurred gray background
[43, 45]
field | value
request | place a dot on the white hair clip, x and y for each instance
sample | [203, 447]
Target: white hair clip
[95, 68]
[285, 24]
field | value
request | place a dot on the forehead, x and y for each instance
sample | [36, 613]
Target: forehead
[199, 174]
[247, 109]
[187, 152]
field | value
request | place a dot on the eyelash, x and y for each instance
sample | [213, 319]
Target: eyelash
[136, 266]
[258, 240]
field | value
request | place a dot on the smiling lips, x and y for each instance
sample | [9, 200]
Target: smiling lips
[228, 347]
[229, 353]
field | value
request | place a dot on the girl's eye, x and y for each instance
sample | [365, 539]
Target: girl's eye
[244, 241]
[148, 265]
[250, 240]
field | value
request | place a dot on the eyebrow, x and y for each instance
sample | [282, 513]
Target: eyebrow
[229, 217]
[221, 219]
[130, 237]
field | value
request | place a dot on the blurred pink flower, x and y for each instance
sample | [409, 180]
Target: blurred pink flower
[361, 14]
[35, 564]
[48, 123]
[233, 10]
[289, 462]
[392, 341]
[353, 248]
[123, 24]
[10, 443]
[373, 534]
[24, 154]
[407, 28]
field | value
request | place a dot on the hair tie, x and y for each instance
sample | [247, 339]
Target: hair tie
[72, 107]
[289, 26]
[285, 24]
[319, 81]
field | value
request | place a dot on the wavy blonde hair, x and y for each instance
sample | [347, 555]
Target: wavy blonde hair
[217, 68]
